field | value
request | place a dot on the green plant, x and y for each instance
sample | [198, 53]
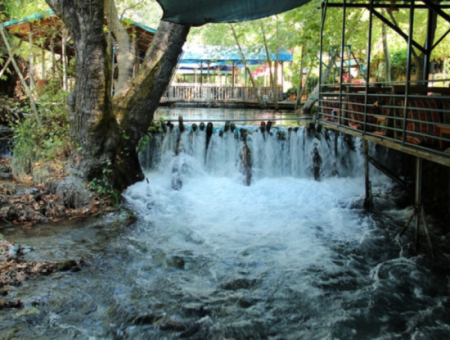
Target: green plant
[292, 90]
[398, 63]
[311, 83]
[152, 130]
[103, 186]
[36, 148]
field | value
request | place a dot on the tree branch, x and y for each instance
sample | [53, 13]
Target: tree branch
[398, 27]
[126, 9]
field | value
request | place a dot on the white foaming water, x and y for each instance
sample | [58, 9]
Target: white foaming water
[285, 231]
[287, 257]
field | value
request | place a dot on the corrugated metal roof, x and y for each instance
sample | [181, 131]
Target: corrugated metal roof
[219, 54]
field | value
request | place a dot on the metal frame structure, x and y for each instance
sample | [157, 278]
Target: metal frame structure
[406, 104]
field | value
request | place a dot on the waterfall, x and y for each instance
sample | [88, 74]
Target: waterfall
[280, 152]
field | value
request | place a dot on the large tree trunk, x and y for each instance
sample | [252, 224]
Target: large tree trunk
[135, 110]
[104, 144]
[387, 58]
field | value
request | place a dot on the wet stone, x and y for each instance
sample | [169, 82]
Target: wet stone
[146, 319]
[65, 266]
[173, 325]
[30, 311]
[239, 284]
[194, 309]
[247, 302]
[75, 269]
[176, 261]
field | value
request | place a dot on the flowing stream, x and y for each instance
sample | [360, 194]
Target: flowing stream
[291, 256]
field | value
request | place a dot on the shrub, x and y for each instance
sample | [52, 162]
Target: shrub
[39, 151]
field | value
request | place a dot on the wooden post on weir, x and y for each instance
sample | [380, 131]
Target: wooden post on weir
[418, 211]
[336, 139]
[368, 201]
[180, 124]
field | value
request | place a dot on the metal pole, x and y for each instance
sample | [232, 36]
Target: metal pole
[63, 59]
[322, 25]
[428, 44]
[418, 199]
[368, 202]
[233, 75]
[408, 69]
[369, 51]
[201, 73]
[341, 66]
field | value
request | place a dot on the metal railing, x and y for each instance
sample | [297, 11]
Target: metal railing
[209, 93]
[419, 117]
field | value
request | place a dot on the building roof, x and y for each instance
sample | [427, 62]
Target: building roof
[227, 55]
[44, 25]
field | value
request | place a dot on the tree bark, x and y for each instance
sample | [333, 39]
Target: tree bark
[387, 59]
[314, 96]
[275, 85]
[258, 98]
[135, 110]
[125, 58]
[271, 77]
[107, 136]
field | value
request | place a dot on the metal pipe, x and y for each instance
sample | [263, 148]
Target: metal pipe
[341, 66]
[324, 13]
[428, 44]
[369, 51]
[418, 198]
[408, 69]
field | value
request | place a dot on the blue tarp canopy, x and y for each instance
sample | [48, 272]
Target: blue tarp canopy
[227, 55]
[200, 12]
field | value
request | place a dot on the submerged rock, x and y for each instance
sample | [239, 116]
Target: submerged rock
[176, 261]
[65, 266]
[29, 311]
[239, 284]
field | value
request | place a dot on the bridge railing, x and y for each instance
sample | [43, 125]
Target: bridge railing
[211, 93]
[415, 116]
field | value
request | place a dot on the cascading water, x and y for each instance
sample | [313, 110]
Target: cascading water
[288, 257]
[278, 153]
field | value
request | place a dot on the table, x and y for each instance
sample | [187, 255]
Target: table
[443, 130]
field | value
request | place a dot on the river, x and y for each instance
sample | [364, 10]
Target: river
[288, 257]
